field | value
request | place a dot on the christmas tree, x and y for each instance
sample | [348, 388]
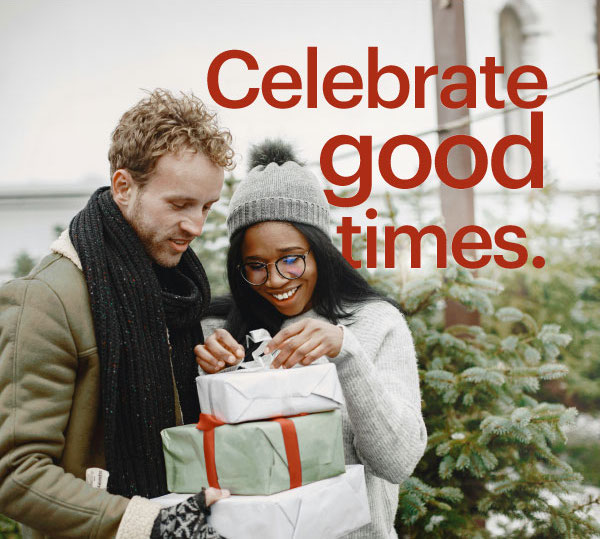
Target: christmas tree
[490, 449]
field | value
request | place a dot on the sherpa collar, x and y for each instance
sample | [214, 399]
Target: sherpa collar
[63, 246]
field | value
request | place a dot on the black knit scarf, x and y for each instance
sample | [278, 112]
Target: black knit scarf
[146, 318]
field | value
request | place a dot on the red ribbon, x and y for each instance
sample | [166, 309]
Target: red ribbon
[292, 451]
[208, 423]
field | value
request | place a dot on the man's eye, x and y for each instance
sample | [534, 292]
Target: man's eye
[178, 206]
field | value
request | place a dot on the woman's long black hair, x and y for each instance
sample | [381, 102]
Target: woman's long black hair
[339, 290]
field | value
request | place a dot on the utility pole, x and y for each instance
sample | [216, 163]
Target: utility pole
[598, 37]
[598, 54]
[449, 43]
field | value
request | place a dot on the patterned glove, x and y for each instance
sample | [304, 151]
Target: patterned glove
[186, 520]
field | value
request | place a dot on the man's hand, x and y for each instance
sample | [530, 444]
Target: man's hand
[220, 350]
[304, 342]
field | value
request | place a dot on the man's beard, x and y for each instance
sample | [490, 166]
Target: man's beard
[149, 239]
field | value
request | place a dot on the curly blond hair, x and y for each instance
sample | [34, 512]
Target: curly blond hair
[162, 123]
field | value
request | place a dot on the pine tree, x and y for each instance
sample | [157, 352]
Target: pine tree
[490, 448]
[9, 529]
[211, 247]
[22, 264]
[567, 292]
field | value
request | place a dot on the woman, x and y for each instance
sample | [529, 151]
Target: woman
[286, 276]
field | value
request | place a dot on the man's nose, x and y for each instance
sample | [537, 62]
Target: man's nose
[193, 225]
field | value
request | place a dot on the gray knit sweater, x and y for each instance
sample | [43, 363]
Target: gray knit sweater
[382, 423]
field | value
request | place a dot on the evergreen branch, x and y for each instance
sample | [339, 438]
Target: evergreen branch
[589, 503]
[421, 305]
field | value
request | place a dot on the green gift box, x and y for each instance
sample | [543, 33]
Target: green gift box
[252, 458]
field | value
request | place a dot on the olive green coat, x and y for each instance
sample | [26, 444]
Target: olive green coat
[50, 417]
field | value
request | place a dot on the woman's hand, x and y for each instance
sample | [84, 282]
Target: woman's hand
[304, 342]
[220, 350]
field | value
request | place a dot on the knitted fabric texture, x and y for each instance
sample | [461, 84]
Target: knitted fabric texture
[146, 321]
[287, 192]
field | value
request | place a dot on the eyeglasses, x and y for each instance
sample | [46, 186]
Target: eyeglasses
[289, 267]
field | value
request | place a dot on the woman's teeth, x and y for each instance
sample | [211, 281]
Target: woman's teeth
[285, 295]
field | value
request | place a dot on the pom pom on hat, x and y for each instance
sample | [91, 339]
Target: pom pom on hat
[272, 151]
[278, 188]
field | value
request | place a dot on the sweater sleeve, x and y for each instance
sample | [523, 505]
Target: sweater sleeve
[38, 369]
[378, 373]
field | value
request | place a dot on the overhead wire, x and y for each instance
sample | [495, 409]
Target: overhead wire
[582, 80]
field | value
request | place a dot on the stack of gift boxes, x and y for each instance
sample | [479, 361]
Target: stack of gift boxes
[273, 438]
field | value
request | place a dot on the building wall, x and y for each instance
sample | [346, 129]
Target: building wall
[27, 224]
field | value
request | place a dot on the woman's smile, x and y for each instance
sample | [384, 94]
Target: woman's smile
[284, 296]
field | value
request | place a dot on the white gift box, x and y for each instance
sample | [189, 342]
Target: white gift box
[261, 393]
[323, 510]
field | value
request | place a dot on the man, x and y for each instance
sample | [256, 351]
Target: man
[96, 344]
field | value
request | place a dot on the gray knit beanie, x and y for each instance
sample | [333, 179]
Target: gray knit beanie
[277, 188]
